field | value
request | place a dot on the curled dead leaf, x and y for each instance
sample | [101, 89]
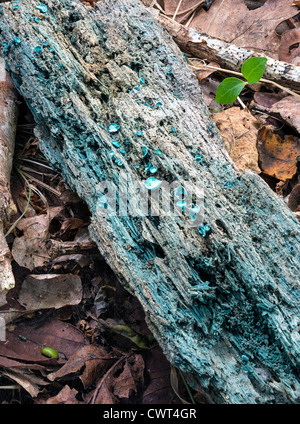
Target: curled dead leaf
[131, 379]
[285, 52]
[30, 250]
[288, 108]
[123, 380]
[278, 157]
[93, 360]
[26, 379]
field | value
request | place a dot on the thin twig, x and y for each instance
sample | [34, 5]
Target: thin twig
[36, 163]
[186, 386]
[189, 9]
[26, 207]
[214, 17]
[177, 8]
[241, 102]
[9, 387]
[279, 86]
[154, 3]
[190, 20]
[44, 185]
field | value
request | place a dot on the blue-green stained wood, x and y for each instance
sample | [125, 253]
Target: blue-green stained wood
[211, 301]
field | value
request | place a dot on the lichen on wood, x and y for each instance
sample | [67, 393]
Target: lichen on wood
[222, 297]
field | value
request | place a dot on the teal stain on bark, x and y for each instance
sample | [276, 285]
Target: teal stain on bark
[243, 309]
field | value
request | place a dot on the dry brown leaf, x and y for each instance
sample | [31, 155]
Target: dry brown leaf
[120, 382]
[131, 378]
[65, 396]
[47, 291]
[9, 315]
[69, 227]
[267, 99]
[103, 397]
[30, 253]
[294, 199]
[159, 390]
[22, 203]
[205, 73]
[38, 226]
[251, 29]
[27, 380]
[62, 337]
[288, 39]
[93, 360]
[289, 110]
[209, 88]
[239, 132]
[30, 250]
[278, 157]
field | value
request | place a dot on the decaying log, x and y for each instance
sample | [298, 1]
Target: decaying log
[8, 125]
[227, 55]
[221, 299]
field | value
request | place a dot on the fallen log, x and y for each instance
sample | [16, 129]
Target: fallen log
[8, 125]
[121, 116]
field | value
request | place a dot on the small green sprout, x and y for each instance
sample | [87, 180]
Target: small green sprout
[230, 88]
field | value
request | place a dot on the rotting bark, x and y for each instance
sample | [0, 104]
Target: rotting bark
[59, 248]
[8, 125]
[223, 305]
[227, 55]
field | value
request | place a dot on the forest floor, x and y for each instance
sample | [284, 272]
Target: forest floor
[66, 297]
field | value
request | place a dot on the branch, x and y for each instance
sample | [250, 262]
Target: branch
[8, 123]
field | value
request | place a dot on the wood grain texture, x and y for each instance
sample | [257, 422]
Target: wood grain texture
[8, 125]
[224, 307]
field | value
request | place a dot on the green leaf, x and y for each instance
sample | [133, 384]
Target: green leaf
[141, 340]
[254, 68]
[228, 90]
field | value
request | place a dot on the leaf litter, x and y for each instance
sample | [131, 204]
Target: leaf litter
[106, 353]
[67, 298]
